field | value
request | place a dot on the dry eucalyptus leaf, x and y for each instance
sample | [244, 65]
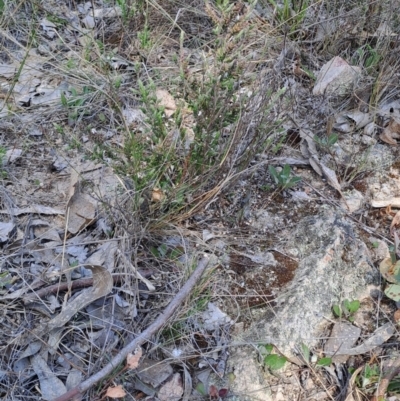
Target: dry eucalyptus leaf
[115, 392]
[387, 137]
[34, 209]
[395, 222]
[6, 231]
[394, 202]
[132, 360]
[166, 100]
[379, 337]
[172, 390]
[11, 155]
[51, 386]
[391, 132]
[361, 119]
[102, 285]
[81, 211]
[343, 336]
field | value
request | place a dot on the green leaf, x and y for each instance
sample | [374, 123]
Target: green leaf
[274, 361]
[394, 385]
[337, 310]
[286, 171]
[267, 349]
[154, 251]
[274, 174]
[392, 291]
[332, 139]
[324, 361]
[353, 306]
[201, 389]
[305, 352]
[64, 100]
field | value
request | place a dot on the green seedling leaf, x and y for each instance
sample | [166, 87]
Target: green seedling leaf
[375, 244]
[274, 174]
[154, 252]
[305, 352]
[394, 385]
[332, 139]
[274, 361]
[285, 171]
[200, 388]
[268, 348]
[337, 310]
[324, 361]
[392, 255]
[64, 100]
[393, 292]
[353, 306]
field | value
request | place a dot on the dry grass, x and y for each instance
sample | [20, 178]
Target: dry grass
[229, 69]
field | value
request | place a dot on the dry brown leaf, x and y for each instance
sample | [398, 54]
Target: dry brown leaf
[391, 132]
[81, 211]
[132, 360]
[387, 137]
[115, 392]
[395, 222]
[157, 195]
[172, 390]
[395, 202]
[166, 100]
[102, 286]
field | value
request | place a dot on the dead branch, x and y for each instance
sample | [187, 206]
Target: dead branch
[141, 338]
[76, 284]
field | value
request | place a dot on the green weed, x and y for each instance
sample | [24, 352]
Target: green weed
[283, 179]
[291, 14]
[346, 309]
[271, 360]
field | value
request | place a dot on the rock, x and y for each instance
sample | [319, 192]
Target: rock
[333, 265]
[250, 382]
[354, 200]
[336, 77]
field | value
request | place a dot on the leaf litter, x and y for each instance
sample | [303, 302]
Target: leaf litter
[60, 221]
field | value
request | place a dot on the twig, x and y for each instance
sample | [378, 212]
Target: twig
[141, 338]
[384, 383]
[79, 283]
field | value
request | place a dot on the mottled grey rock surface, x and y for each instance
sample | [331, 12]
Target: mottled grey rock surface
[334, 264]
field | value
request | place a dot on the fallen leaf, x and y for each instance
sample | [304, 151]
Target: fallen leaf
[132, 360]
[115, 392]
[166, 100]
[391, 132]
[379, 336]
[361, 119]
[213, 392]
[389, 270]
[153, 372]
[157, 195]
[34, 209]
[11, 155]
[81, 211]
[395, 222]
[51, 386]
[6, 231]
[102, 286]
[172, 390]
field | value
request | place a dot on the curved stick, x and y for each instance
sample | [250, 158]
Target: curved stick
[141, 338]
